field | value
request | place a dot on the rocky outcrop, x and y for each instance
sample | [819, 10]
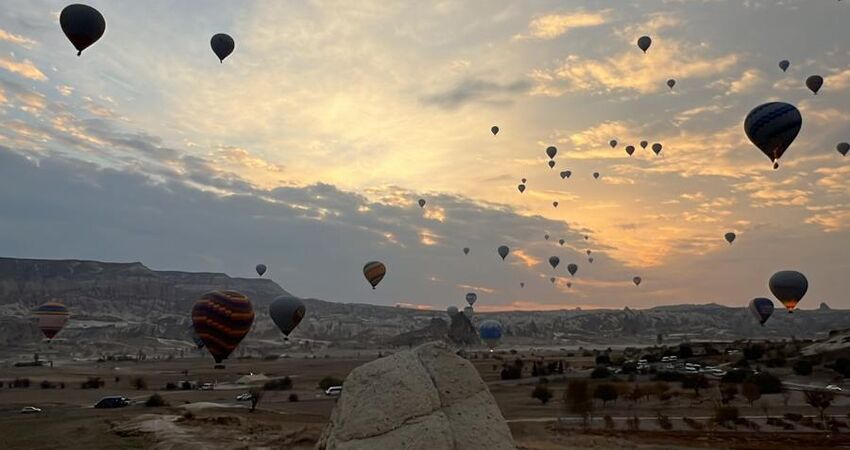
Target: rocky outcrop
[427, 398]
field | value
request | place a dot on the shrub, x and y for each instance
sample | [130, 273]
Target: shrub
[577, 398]
[723, 415]
[188, 415]
[47, 385]
[793, 417]
[728, 392]
[750, 391]
[669, 376]
[156, 400]
[802, 367]
[767, 382]
[664, 422]
[840, 365]
[603, 360]
[20, 383]
[185, 386]
[685, 351]
[170, 386]
[280, 384]
[695, 382]
[736, 376]
[542, 393]
[329, 381]
[92, 383]
[139, 383]
[753, 352]
[606, 392]
[256, 396]
[293, 397]
[600, 372]
[693, 423]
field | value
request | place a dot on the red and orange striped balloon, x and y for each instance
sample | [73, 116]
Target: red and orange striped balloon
[374, 272]
[221, 320]
[51, 317]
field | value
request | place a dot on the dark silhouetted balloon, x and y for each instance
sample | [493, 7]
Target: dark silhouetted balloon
[554, 261]
[222, 45]
[521, 188]
[590, 260]
[221, 320]
[374, 272]
[551, 152]
[772, 127]
[261, 269]
[670, 83]
[503, 251]
[82, 25]
[490, 331]
[466, 250]
[569, 284]
[843, 148]
[730, 237]
[524, 180]
[814, 83]
[637, 281]
[546, 236]
[784, 64]
[656, 148]
[551, 164]
[630, 150]
[572, 269]
[565, 174]
[471, 298]
[561, 241]
[596, 175]
[552, 280]
[421, 202]
[287, 312]
[789, 287]
[643, 144]
[644, 42]
[612, 143]
[494, 129]
[555, 204]
[589, 252]
[521, 284]
[762, 309]
[50, 318]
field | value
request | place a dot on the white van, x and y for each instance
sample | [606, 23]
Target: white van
[333, 391]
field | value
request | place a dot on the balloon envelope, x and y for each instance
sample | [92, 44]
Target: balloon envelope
[656, 147]
[490, 332]
[814, 83]
[551, 152]
[644, 42]
[596, 175]
[643, 144]
[772, 127]
[287, 312]
[637, 281]
[50, 318]
[555, 204]
[521, 188]
[471, 298]
[761, 308]
[843, 148]
[565, 174]
[551, 164]
[554, 261]
[221, 320]
[612, 143]
[789, 287]
[503, 251]
[421, 202]
[494, 129]
[572, 269]
[261, 269]
[222, 45]
[466, 250]
[374, 272]
[730, 237]
[630, 149]
[82, 25]
[561, 241]
[670, 83]
[784, 64]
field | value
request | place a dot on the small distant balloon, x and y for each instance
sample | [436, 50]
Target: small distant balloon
[644, 42]
[521, 188]
[643, 144]
[730, 237]
[82, 25]
[762, 309]
[569, 284]
[50, 318]
[630, 149]
[503, 251]
[524, 180]
[555, 204]
[551, 152]
[471, 298]
[521, 284]
[374, 271]
[572, 269]
[843, 148]
[565, 174]
[561, 241]
[814, 83]
[637, 281]
[656, 148]
[589, 252]
[466, 250]
[222, 45]
[784, 64]
[586, 237]
[596, 175]
[421, 202]
[670, 83]
[612, 143]
[552, 280]
[590, 260]
[494, 129]
[261, 269]
[551, 164]
[546, 236]
[554, 261]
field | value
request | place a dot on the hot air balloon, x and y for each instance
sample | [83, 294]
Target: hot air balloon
[466, 250]
[452, 310]
[551, 152]
[524, 180]
[222, 45]
[565, 174]
[521, 188]
[643, 144]
[730, 237]
[586, 237]
[82, 25]
[656, 148]
[221, 319]
[644, 42]
[588, 252]
[569, 284]
[494, 129]
[468, 312]
[503, 251]
[471, 297]
[637, 281]
[762, 308]
[843, 148]
[590, 260]
[561, 241]
[630, 149]
[490, 332]
[789, 287]
[612, 143]
[552, 280]
[546, 236]
[670, 83]
[50, 318]
[572, 269]
[521, 284]
[772, 127]
[814, 83]
[555, 204]
[554, 261]
[421, 202]
[287, 312]
[784, 64]
[596, 175]
[261, 269]
[551, 164]
[374, 272]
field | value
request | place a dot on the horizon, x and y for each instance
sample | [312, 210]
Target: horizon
[309, 146]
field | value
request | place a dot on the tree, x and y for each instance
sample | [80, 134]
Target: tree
[600, 372]
[606, 392]
[767, 382]
[139, 383]
[728, 392]
[750, 391]
[803, 367]
[577, 399]
[256, 396]
[753, 352]
[696, 382]
[603, 360]
[819, 400]
[725, 414]
[542, 393]
[685, 351]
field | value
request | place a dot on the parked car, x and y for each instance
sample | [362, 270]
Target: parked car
[115, 401]
[333, 391]
[244, 397]
[832, 387]
[30, 410]
[207, 387]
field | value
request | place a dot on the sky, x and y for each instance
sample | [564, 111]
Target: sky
[308, 148]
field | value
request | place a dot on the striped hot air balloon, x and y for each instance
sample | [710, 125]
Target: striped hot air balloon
[374, 272]
[51, 317]
[772, 127]
[221, 320]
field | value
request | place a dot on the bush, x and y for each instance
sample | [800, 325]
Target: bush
[92, 383]
[600, 372]
[20, 383]
[603, 360]
[696, 382]
[793, 417]
[156, 400]
[280, 384]
[840, 365]
[606, 392]
[766, 382]
[542, 393]
[170, 386]
[47, 385]
[188, 415]
[685, 351]
[293, 397]
[723, 415]
[693, 423]
[728, 392]
[139, 383]
[753, 352]
[803, 367]
[736, 376]
[664, 422]
[672, 377]
[329, 381]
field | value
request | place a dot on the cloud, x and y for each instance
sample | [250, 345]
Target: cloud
[16, 39]
[552, 25]
[23, 68]
[470, 91]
